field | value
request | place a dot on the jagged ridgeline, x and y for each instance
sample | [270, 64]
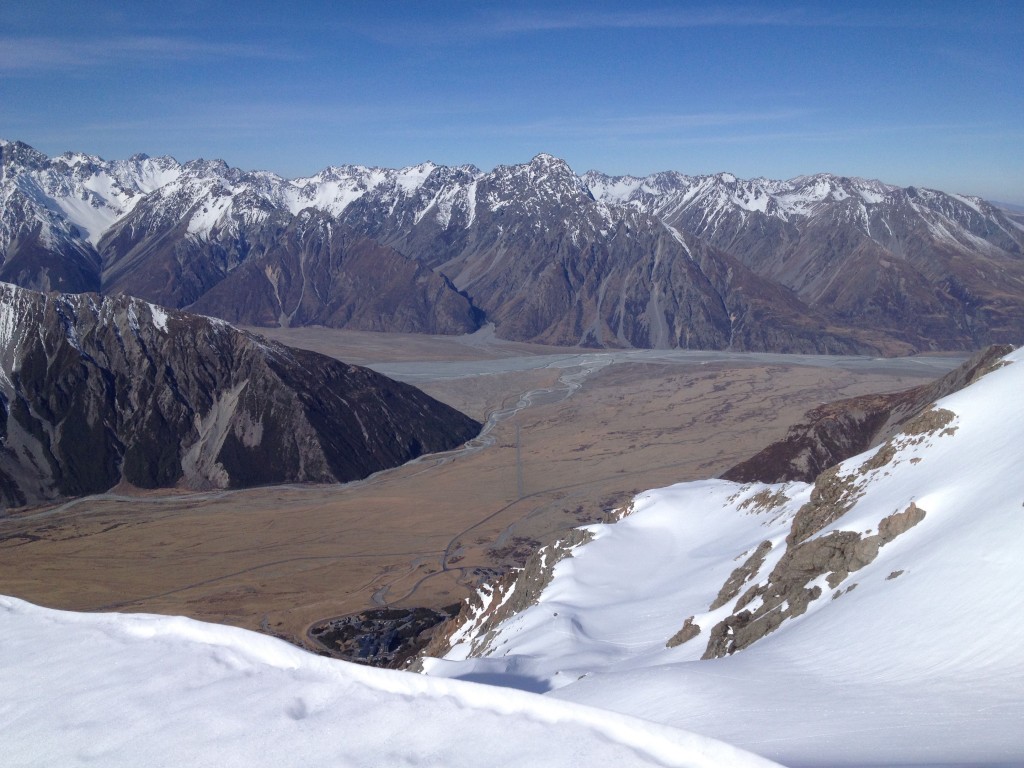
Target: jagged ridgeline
[95, 391]
[819, 264]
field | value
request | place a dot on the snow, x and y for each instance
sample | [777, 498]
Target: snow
[751, 200]
[159, 316]
[332, 196]
[871, 196]
[410, 179]
[471, 203]
[12, 325]
[111, 190]
[9, 321]
[971, 202]
[93, 219]
[670, 195]
[129, 690]
[922, 668]
[95, 194]
[618, 190]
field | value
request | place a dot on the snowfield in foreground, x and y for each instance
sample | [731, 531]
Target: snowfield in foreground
[133, 690]
[892, 588]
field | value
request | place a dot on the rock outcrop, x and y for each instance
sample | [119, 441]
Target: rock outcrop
[504, 597]
[790, 586]
[836, 431]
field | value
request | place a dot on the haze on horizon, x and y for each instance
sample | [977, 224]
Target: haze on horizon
[923, 93]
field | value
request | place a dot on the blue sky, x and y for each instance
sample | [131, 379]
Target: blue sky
[925, 93]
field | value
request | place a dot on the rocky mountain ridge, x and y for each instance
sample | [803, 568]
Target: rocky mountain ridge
[815, 264]
[833, 432]
[98, 391]
[923, 262]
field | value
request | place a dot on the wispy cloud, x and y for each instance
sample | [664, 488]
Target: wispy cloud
[490, 23]
[29, 54]
[648, 19]
[652, 124]
[786, 15]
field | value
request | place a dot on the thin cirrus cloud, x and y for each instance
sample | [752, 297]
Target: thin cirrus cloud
[659, 123]
[493, 23]
[503, 22]
[652, 126]
[45, 54]
[537, 22]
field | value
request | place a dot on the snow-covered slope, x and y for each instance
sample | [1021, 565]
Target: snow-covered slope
[87, 191]
[872, 618]
[130, 690]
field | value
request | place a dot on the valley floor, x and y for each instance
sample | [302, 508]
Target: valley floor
[572, 435]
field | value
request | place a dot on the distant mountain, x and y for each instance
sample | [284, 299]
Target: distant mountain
[815, 264]
[546, 262]
[95, 391]
[170, 233]
[869, 617]
[930, 268]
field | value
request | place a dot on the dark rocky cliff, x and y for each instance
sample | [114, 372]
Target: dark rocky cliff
[95, 391]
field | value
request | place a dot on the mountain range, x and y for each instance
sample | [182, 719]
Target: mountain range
[814, 264]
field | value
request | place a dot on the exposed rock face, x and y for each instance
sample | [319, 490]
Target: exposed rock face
[384, 637]
[687, 632]
[742, 575]
[549, 263]
[836, 431]
[788, 590]
[97, 391]
[503, 598]
[812, 560]
[276, 269]
[310, 270]
[39, 248]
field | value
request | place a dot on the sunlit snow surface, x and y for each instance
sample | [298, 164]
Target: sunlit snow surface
[923, 668]
[140, 690]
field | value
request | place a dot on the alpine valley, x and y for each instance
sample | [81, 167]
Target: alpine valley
[819, 264]
[193, 514]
